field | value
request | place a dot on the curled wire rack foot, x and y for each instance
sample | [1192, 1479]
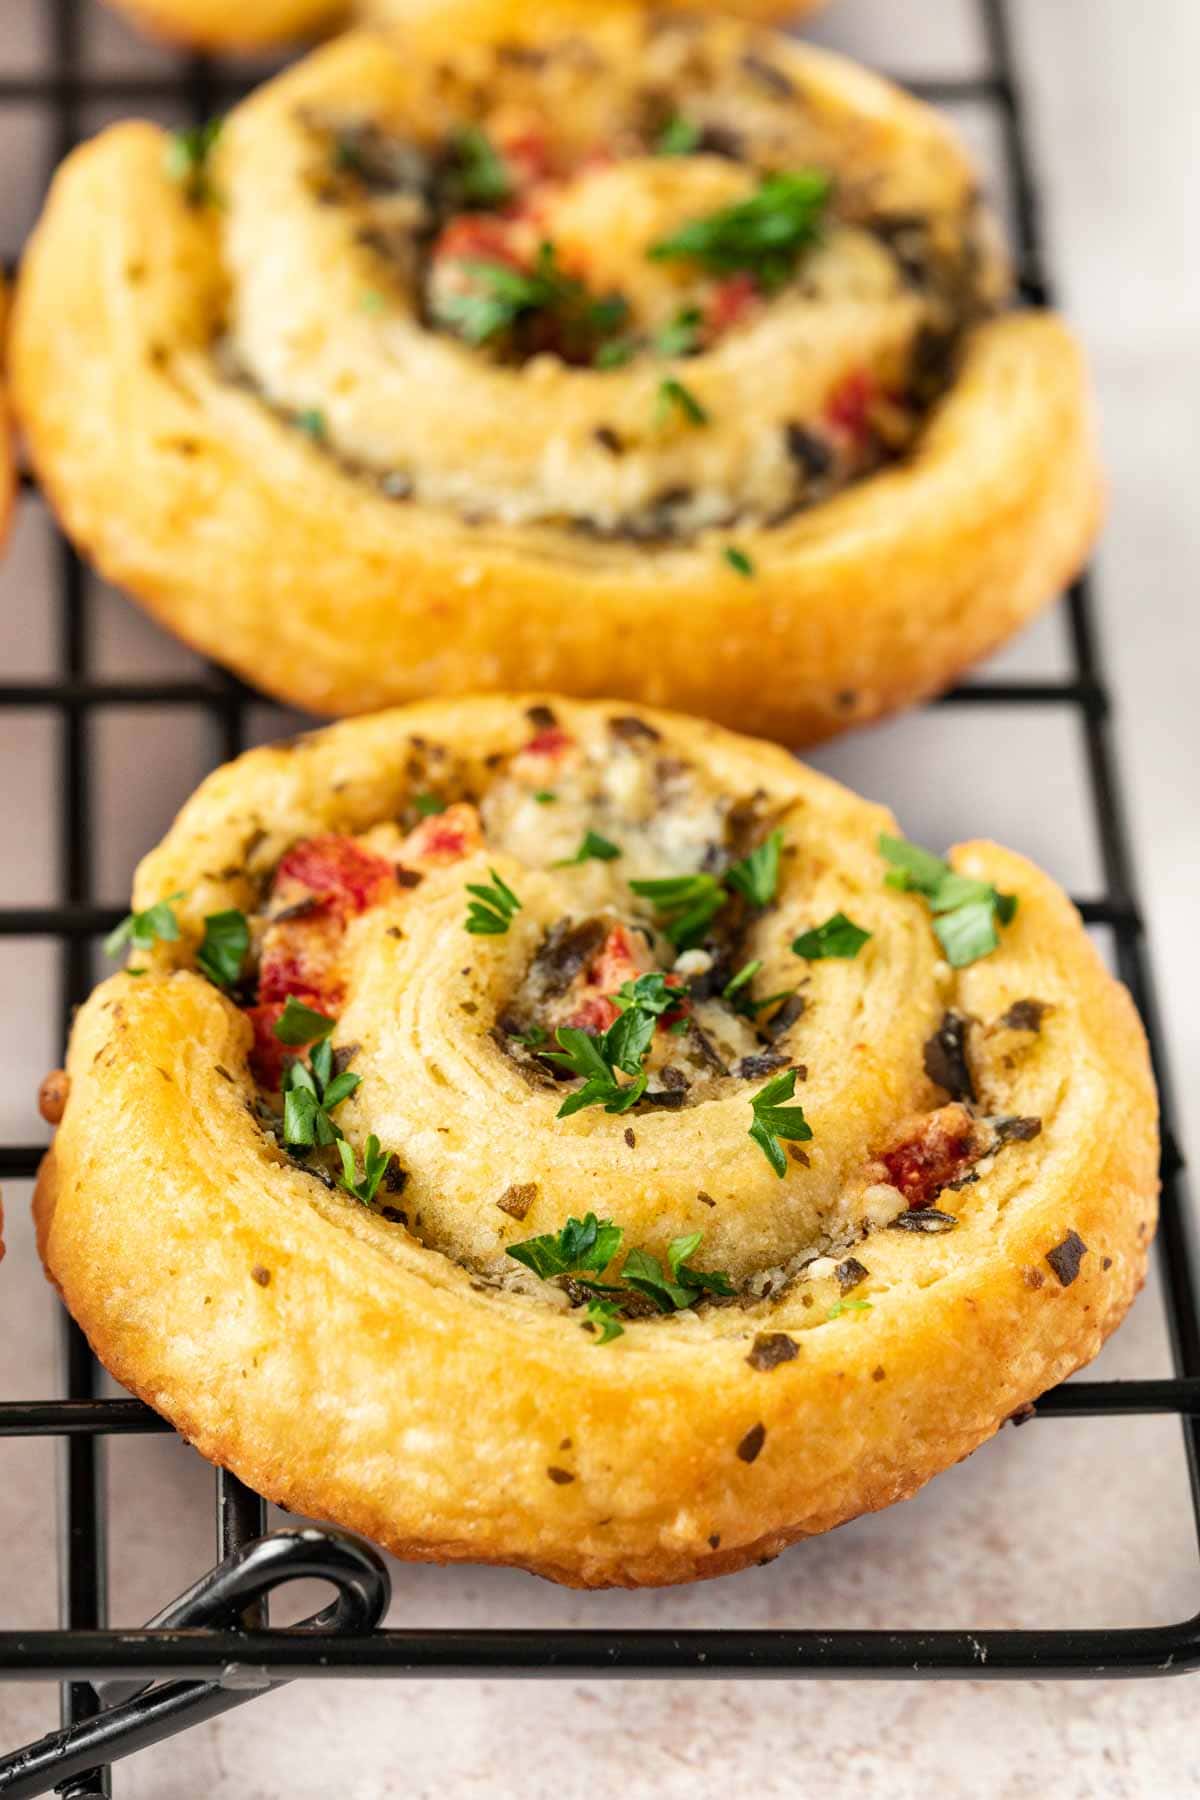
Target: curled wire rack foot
[136, 1714]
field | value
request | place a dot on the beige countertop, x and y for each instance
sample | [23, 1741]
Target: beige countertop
[1086, 1522]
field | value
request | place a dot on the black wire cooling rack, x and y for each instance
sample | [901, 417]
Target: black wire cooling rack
[214, 1648]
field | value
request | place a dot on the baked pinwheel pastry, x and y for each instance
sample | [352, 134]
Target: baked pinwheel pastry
[565, 1135]
[256, 24]
[657, 359]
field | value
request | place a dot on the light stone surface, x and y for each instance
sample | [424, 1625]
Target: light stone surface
[1081, 1523]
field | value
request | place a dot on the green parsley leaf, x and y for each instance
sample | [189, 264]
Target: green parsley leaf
[300, 1024]
[844, 1306]
[594, 848]
[371, 301]
[310, 1093]
[545, 797]
[737, 559]
[756, 876]
[223, 947]
[650, 992]
[623, 1047]
[615, 353]
[375, 1161]
[503, 296]
[140, 930]
[483, 177]
[683, 336]
[678, 137]
[672, 393]
[744, 976]
[737, 995]
[686, 905]
[966, 912]
[312, 422]
[427, 805]
[537, 1034]
[773, 1121]
[627, 1040]
[490, 913]
[683, 1286]
[583, 1246]
[186, 159]
[837, 937]
[594, 1060]
[644, 1274]
[603, 1317]
[764, 234]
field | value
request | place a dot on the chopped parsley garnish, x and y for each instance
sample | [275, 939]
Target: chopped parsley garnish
[686, 905]
[678, 137]
[773, 1120]
[490, 913]
[844, 1306]
[223, 947]
[375, 1161]
[837, 937]
[737, 559]
[622, 1048]
[651, 992]
[583, 1246]
[764, 234]
[157, 924]
[594, 848]
[371, 301]
[545, 797]
[537, 1034]
[682, 337]
[736, 993]
[503, 296]
[312, 423]
[682, 1285]
[672, 395]
[483, 177]
[743, 978]
[300, 1024]
[966, 912]
[427, 805]
[310, 1092]
[597, 1059]
[756, 876]
[187, 156]
[604, 1316]
[615, 353]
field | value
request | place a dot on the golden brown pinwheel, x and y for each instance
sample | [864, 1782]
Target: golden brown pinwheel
[540, 1132]
[258, 24]
[653, 356]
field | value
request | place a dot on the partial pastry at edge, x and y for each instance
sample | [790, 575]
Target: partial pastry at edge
[574, 1136]
[659, 359]
[8, 466]
[236, 25]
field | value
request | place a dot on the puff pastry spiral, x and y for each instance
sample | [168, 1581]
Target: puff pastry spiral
[683, 1187]
[614, 354]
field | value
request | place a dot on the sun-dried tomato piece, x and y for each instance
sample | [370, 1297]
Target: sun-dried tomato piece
[476, 237]
[732, 299]
[550, 742]
[335, 870]
[848, 407]
[443, 838]
[940, 1151]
